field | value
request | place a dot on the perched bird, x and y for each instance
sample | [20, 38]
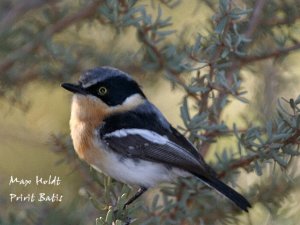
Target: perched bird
[118, 131]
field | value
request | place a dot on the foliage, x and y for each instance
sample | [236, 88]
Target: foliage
[210, 68]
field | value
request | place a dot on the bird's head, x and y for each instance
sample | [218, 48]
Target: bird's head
[105, 90]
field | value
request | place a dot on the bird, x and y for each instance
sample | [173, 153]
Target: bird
[119, 132]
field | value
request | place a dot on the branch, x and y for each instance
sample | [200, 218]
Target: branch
[240, 163]
[276, 53]
[163, 65]
[275, 21]
[293, 138]
[256, 18]
[252, 26]
[65, 22]
[245, 161]
[81, 14]
[204, 104]
[19, 10]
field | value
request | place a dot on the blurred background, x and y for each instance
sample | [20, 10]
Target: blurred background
[194, 59]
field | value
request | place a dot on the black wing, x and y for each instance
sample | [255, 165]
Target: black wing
[151, 146]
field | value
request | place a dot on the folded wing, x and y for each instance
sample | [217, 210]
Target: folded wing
[150, 146]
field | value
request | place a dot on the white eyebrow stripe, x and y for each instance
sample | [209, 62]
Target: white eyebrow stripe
[147, 134]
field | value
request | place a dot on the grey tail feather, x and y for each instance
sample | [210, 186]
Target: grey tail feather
[227, 191]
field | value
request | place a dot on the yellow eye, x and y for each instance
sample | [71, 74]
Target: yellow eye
[102, 91]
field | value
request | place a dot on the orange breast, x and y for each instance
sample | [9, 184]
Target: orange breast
[86, 115]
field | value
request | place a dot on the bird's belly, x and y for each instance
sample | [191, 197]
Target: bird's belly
[136, 172]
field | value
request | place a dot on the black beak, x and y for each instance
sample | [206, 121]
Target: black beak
[74, 88]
